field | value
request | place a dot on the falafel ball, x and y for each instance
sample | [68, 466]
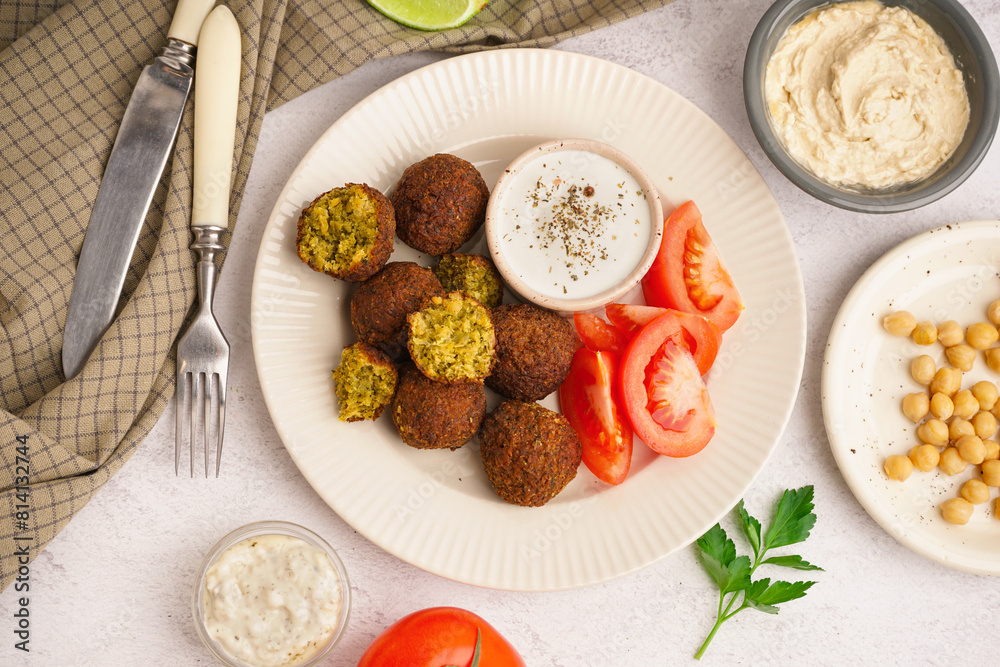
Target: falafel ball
[440, 202]
[451, 338]
[347, 232]
[436, 415]
[364, 382]
[529, 452]
[380, 305]
[473, 274]
[535, 348]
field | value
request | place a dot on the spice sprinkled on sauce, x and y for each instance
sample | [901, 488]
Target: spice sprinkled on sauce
[574, 224]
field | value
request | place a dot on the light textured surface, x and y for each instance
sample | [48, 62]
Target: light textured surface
[114, 587]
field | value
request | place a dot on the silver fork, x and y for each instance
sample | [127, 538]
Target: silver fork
[203, 358]
[203, 352]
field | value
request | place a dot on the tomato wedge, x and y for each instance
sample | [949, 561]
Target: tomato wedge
[589, 400]
[663, 392]
[696, 332]
[688, 273]
[597, 334]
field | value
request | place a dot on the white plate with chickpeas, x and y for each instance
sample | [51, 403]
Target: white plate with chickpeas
[910, 396]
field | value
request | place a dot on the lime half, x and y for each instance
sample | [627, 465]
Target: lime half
[429, 14]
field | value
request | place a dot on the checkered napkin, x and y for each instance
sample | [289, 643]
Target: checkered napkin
[67, 69]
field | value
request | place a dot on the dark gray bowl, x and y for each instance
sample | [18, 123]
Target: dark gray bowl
[975, 58]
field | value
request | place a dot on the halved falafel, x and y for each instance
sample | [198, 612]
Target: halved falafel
[436, 415]
[535, 348]
[347, 232]
[473, 274]
[364, 382]
[440, 202]
[380, 305]
[451, 338]
[529, 452]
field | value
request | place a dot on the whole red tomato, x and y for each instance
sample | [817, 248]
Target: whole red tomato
[440, 637]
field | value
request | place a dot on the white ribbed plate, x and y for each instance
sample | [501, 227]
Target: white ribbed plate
[949, 273]
[435, 509]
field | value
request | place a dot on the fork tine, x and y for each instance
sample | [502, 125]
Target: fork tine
[207, 413]
[222, 420]
[182, 397]
[197, 389]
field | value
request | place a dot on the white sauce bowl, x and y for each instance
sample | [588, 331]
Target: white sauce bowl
[262, 529]
[562, 245]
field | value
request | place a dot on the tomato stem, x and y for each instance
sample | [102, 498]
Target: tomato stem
[475, 652]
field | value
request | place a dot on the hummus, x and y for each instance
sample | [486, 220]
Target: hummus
[866, 96]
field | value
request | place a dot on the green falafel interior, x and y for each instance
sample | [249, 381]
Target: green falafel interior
[364, 382]
[472, 274]
[452, 338]
[340, 229]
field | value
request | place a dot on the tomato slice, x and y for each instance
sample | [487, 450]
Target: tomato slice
[696, 332]
[688, 273]
[664, 394]
[589, 400]
[597, 334]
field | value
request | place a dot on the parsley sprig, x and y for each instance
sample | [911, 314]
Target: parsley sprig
[793, 520]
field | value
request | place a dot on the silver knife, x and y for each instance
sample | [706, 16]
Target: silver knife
[140, 153]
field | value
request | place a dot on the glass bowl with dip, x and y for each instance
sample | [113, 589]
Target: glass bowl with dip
[271, 594]
[861, 105]
[573, 224]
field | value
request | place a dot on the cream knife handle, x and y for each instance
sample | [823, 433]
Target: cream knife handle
[188, 17]
[216, 93]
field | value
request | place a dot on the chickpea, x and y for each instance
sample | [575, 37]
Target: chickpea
[957, 511]
[959, 428]
[925, 333]
[916, 406]
[950, 333]
[972, 449]
[991, 449]
[898, 467]
[899, 323]
[961, 357]
[951, 462]
[966, 405]
[985, 424]
[986, 393]
[947, 381]
[981, 335]
[923, 367]
[993, 312]
[941, 406]
[991, 473]
[933, 432]
[993, 359]
[975, 492]
[925, 457]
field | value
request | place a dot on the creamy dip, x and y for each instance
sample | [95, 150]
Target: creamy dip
[573, 224]
[272, 600]
[866, 95]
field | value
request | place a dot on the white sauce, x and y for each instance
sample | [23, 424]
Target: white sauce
[573, 224]
[272, 600]
[866, 95]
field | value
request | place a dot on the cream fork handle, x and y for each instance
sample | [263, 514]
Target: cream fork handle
[188, 17]
[216, 94]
